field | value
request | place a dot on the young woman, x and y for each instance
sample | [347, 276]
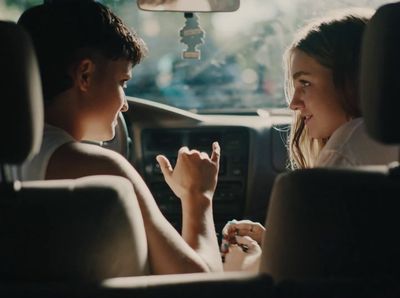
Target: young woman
[86, 55]
[322, 69]
[321, 75]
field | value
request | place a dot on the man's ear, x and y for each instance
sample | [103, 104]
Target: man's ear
[84, 74]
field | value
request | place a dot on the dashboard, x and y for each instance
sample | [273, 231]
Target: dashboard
[253, 152]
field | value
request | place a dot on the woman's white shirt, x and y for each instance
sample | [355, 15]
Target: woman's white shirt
[351, 146]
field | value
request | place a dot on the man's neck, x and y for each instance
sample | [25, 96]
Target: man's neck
[63, 113]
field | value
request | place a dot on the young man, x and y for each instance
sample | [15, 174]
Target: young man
[86, 55]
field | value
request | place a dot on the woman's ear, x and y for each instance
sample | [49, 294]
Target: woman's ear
[84, 74]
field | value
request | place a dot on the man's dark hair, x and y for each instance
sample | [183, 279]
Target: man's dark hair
[66, 32]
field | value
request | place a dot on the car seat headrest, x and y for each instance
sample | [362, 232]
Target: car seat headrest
[380, 74]
[21, 112]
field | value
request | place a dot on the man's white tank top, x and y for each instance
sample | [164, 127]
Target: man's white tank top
[35, 169]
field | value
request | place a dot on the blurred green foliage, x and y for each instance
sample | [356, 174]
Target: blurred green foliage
[24, 4]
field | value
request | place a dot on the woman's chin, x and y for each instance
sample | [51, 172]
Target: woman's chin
[312, 133]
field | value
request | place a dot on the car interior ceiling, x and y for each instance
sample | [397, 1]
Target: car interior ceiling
[337, 238]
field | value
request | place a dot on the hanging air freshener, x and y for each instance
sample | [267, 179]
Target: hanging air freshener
[192, 35]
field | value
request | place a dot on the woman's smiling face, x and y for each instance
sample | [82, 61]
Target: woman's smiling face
[315, 96]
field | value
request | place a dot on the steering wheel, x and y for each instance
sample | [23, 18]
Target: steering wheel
[121, 143]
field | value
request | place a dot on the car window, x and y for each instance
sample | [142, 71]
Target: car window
[240, 69]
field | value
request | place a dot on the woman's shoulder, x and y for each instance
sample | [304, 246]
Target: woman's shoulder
[354, 146]
[351, 145]
[368, 151]
[344, 136]
[348, 131]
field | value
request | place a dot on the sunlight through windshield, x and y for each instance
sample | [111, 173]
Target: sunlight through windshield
[241, 58]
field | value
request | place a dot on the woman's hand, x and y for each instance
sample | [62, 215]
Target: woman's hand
[240, 246]
[195, 173]
[233, 228]
[245, 255]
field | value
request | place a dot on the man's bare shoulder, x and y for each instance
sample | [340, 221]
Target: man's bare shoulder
[73, 160]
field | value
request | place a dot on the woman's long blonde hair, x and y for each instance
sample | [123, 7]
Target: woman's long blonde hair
[334, 42]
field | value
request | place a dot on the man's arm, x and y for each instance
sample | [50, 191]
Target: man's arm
[194, 180]
[169, 253]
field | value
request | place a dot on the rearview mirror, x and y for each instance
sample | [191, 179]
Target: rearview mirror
[189, 5]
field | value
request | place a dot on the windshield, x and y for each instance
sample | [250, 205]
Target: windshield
[240, 68]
